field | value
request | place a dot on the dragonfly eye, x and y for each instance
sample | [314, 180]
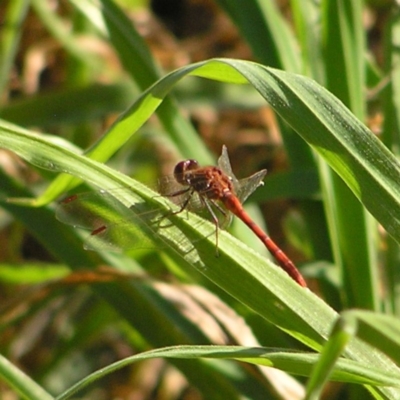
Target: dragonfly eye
[182, 167]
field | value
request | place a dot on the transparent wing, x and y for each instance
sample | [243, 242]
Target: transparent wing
[244, 187]
[225, 165]
[113, 225]
[90, 210]
[248, 185]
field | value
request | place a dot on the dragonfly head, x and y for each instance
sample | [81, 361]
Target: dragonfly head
[182, 168]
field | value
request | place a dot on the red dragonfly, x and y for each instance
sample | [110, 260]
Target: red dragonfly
[214, 188]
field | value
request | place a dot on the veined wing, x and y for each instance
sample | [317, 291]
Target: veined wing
[244, 187]
[112, 225]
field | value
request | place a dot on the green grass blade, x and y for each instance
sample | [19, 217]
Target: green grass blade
[380, 331]
[139, 63]
[296, 363]
[10, 36]
[22, 383]
[266, 31]
[391, 137]
[274, 45]
[390, 94]
[307, 20]
[344, 51]
[353, 232]
[339, 339]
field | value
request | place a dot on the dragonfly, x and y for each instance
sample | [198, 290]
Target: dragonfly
[213, 188]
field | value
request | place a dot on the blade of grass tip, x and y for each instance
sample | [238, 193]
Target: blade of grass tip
[342, 332]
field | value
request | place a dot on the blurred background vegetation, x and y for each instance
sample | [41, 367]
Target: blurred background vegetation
[60, 73]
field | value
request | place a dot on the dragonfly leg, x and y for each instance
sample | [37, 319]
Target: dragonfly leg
[177, 193]
[215, 220]
[183, 206]
[185, 203]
